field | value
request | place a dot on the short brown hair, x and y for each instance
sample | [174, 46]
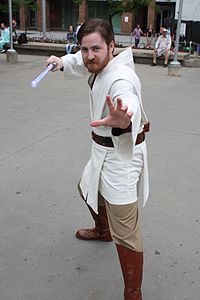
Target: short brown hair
[96, 25]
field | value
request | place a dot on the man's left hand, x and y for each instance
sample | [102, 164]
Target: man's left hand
[119, 116]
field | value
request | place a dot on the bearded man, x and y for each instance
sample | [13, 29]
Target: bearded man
[109, 184]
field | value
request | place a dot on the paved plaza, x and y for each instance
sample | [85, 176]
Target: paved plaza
[45, 144]
[125, 40]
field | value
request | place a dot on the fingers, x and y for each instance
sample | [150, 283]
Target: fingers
[110, 104]
[130, 114]
[99, 122]
[56, 60]
[123, 108]
[118, 107]
[119, 104]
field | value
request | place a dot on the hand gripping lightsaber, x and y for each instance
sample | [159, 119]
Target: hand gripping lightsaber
[36, 80]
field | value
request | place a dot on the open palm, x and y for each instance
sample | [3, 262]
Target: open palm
[119, 116]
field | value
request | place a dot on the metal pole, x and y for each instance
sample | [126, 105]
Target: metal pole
[10, 23]
[175, 61]
[11, 54]
[44, 18]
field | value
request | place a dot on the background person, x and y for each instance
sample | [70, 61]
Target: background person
[198, 49]
[78, 27]
[109, 184]
[14, 25]
[5, 37]
[71, 40]
[162, 47]
[137, 32]
[149, 34]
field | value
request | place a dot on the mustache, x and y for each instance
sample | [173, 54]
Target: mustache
[91, 61]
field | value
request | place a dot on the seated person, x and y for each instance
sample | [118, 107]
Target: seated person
[5, 37]
[149, 34]
[162, 47]
[71, 40]
[198, 49]
[14, 25]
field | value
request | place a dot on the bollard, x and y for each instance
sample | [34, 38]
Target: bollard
[174, 69]
[11, 55]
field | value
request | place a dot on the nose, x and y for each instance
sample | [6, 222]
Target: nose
[90, 54]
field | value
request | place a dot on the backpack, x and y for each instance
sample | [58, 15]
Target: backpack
[22, 39]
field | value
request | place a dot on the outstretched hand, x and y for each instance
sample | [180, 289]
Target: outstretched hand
[55, 60]
[119, 116]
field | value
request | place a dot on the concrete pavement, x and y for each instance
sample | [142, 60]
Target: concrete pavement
[45, 143]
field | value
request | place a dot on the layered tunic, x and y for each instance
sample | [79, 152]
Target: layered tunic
[114, 172]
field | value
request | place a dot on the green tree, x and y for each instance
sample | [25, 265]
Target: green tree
[29, 5]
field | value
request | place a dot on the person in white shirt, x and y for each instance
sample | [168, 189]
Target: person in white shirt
[162, 47]
[109, 184]
[78, 27]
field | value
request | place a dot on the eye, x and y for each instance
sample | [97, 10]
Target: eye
[96, 49]
[84, 50]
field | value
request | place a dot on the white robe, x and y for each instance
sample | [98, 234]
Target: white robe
[114, 172]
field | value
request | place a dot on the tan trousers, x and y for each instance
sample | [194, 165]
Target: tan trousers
[124, 224]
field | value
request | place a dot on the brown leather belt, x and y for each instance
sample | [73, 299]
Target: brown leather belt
[107, 140]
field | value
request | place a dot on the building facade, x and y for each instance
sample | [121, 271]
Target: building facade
[62, 13]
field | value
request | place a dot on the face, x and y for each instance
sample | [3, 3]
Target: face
[2, 26]
[96, 53]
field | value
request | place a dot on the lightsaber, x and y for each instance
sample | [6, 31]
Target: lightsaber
[36, 80]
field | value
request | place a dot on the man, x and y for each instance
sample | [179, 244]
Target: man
[118, 153]
[5, 37]
[162, 47]
[78, 27]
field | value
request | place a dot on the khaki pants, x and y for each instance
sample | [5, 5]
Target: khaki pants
[124, 224]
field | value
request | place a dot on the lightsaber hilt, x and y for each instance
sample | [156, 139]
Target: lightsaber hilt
[36, 80]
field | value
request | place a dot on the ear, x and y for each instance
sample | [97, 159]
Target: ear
[111, 47]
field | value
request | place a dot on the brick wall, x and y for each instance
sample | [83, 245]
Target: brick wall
[39, 15]
[83, 11]
[127, 19]
[151, 14]
[22, 17]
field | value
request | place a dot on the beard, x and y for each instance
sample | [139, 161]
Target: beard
[96, 66]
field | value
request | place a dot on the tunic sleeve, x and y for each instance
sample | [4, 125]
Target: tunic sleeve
[73, 66]
[124, 143]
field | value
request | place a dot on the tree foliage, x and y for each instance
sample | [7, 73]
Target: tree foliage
[29, 5]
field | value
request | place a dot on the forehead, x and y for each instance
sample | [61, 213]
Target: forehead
[92, 39]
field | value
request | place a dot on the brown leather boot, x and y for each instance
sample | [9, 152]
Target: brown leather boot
[132, 269]
[101, 230]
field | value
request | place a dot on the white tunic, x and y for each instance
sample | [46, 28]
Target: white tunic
[114, 172]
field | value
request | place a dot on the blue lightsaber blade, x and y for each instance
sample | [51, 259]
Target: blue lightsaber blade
[36, 80]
